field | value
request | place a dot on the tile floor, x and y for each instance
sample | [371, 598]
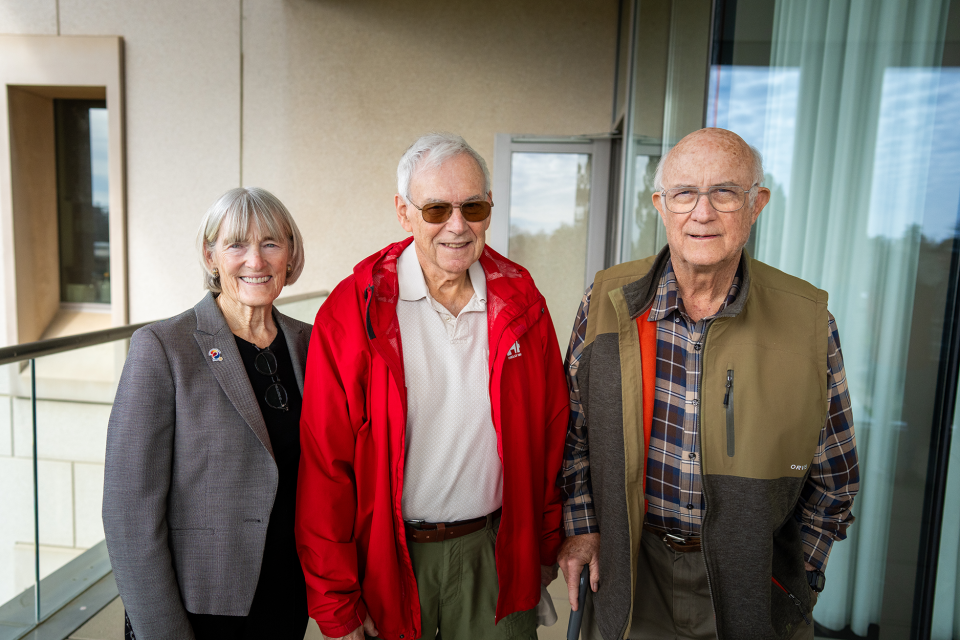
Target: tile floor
[108, 624]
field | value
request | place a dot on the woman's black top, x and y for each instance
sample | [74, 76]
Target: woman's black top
[279, 607]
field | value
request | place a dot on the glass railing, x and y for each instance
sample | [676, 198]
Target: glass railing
[55, 401]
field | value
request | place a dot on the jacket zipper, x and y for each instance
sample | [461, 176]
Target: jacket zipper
[368, 298]
[795, 599]
[703, 547]
[728, 403]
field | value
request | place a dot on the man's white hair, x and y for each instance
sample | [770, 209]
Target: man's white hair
[431, 151]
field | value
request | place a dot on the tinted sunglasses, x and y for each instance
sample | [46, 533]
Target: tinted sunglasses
[473, 210]
[276, 395]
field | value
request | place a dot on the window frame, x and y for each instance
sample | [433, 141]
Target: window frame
[52, 67]
[505, 145]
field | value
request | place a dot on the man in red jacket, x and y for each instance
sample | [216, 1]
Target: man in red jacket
[434, 416]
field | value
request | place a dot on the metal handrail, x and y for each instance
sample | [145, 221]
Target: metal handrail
[50, 346]
[300, 297]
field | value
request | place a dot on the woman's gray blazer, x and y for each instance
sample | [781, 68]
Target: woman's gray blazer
[190, 475]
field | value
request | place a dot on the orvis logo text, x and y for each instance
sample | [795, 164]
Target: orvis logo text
[799, 467]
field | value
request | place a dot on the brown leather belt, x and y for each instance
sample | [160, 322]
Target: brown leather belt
[674, 542]
[440, 531]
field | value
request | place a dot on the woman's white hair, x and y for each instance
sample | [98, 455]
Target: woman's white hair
[238, 211]
[429, 152]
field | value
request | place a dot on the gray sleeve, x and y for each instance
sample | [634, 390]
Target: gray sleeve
[136, 482]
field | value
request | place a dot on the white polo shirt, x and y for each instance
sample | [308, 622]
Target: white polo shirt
[452, 470]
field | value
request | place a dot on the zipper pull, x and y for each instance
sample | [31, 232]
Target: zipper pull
[726, 396]
[796, 601]
[368, 298]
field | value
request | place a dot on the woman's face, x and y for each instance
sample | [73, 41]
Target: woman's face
[252, 271]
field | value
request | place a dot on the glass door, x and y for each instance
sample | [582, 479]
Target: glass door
[854, 106]
[551, 215]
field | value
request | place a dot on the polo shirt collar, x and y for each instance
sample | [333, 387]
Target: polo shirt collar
[413, 286]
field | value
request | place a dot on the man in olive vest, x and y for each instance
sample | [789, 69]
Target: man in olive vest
[710, 459]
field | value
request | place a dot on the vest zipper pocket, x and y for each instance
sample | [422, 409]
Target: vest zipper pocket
[794, 598]
[728, 403]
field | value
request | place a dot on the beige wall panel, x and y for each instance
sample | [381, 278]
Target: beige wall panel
[56, 503]
[16, 525]
[334, 92]
[67, 431]
[182, 81]
[33, 17]
[34, 178]
[88, 503]
[6, 427]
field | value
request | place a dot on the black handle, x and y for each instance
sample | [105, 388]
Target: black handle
[576, 617]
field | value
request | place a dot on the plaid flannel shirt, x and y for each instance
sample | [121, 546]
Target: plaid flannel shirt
[675, 501]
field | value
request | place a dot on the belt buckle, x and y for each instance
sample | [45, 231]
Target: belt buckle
[669, 537]
[416, 524]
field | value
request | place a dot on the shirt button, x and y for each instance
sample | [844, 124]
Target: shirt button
[676, 319]
[696, 347]
[696, 403]
[692, 456]
[690, 506]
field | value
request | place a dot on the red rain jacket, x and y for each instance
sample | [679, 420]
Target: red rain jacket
[350, 532]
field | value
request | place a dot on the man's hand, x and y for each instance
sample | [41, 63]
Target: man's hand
[575, 552]
[357, 634]
[547, 574]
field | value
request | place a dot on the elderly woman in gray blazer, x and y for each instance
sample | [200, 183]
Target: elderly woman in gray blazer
[203, 444]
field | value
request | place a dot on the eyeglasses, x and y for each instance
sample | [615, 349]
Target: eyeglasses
[437, 212]
[723, 198]
[276, 395]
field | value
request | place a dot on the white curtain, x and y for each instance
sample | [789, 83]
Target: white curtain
[849, 217]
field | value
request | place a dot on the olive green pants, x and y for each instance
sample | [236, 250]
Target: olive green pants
[675, 601]
[457, 582]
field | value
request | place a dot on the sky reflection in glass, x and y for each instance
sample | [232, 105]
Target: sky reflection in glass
[543, 192]
[98, 159]
[916, 163]
[760, 104]
[549, 208]
[916, 170]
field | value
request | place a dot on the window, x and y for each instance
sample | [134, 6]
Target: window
[61, 186]
[550, 215]
[83, 201]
